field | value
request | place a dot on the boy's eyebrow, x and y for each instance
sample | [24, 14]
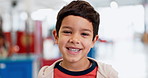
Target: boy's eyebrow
[81, 30]
[86, 30]
[66, 27]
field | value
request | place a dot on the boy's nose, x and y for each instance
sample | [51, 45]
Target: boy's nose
[75, 39]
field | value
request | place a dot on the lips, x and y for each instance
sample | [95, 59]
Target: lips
[72, 50]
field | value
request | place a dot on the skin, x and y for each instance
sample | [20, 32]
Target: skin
[74, 41]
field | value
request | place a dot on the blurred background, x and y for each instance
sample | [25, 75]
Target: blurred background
[26, 41]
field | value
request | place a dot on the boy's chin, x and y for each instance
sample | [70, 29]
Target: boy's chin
[73, 59]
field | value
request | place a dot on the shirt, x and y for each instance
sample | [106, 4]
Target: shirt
[104, 70]
[60, 72]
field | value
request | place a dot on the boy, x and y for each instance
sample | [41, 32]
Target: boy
[76, 33]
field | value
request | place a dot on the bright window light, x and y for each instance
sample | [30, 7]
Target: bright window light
[121, 23]
[23, 16]
[41, 14]
[114, 4]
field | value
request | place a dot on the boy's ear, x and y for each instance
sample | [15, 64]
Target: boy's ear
[94, 40]
[54, 32]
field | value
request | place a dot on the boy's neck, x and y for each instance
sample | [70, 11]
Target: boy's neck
[76, 66]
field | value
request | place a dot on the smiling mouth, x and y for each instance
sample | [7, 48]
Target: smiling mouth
[73, 49]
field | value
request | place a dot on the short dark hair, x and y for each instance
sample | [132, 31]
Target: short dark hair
[82, 9]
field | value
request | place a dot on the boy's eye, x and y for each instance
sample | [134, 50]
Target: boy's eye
[67, 32]
[85, 34]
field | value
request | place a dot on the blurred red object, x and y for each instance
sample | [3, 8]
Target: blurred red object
[105, 41]
[48, 62]
[8, 37]
[102, 40]
[25, 42]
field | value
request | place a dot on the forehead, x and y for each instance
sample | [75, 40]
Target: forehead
[72, 21]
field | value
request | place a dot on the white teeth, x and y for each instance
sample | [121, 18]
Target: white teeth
[74, 50]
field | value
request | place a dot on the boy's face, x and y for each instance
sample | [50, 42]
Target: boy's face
[75, 38]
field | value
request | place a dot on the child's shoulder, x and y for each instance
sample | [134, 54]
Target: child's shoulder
[47, 71]
[106, 70]
[101, 64]
[104, 67]
[44, 71]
